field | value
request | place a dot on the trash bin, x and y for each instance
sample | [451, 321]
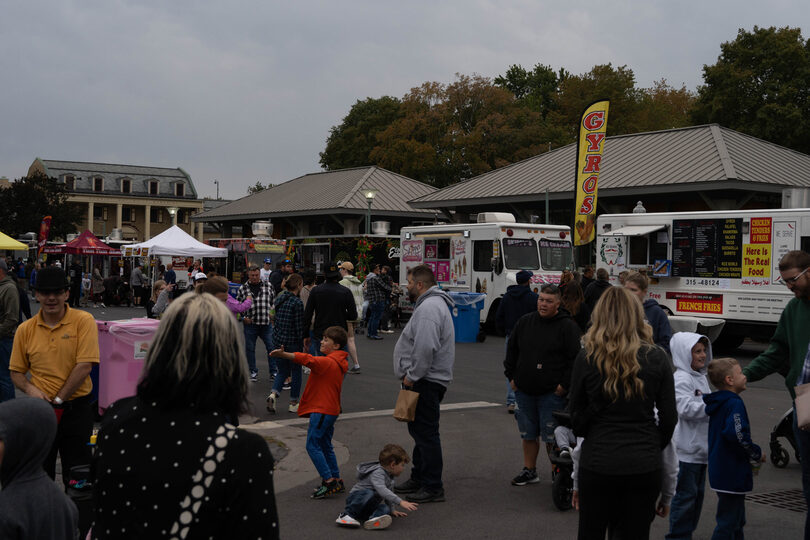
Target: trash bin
[122, 349]
[233, 288]
[467, 315]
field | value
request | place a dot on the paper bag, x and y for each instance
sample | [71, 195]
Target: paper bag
[405, 409]
[803, 405]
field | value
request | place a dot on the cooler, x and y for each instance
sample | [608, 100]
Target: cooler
[467, 315]
[122, 349]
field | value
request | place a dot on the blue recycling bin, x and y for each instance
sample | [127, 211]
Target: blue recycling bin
[467, 315]
[233, 288]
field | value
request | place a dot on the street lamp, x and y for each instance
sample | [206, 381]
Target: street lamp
[217, 184]
[172, 210]
[369, 195]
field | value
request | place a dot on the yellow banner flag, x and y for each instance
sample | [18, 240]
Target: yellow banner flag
[592, 130]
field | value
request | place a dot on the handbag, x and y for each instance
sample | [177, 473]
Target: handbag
[405, 409]
[803, 405]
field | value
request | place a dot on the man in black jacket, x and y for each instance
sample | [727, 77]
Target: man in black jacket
[332, 304]
[517, 302]
[539, 359]
[594, 291]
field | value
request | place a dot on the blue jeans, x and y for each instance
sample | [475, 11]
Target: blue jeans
[265, 333]
[534, 416]
[427, 450]
[375, 313]
[803, 444]
[288, 368]
[510, 394]
[6, 386]
[730, 517]
[365, 504]
[688, 500]
[319, 445]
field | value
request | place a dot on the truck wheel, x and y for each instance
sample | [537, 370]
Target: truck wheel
[728, 342]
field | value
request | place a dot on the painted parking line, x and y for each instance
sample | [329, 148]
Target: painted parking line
[270, 424]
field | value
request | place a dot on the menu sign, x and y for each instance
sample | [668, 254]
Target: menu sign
[707, 248]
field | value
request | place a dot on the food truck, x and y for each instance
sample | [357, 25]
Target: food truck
[719, 264]
[486, 256]
[243, 252]
[317, 252]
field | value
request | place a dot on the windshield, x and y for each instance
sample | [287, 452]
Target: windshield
[520, 254]
[555, 254]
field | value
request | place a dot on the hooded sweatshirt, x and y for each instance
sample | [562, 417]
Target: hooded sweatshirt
[356, 286]
[657, 317]
[9, 307]
[426, 349]
[31, 506]
[322, 392]
[691, 435]
[731, 450]
[516, 302]
[372, 475]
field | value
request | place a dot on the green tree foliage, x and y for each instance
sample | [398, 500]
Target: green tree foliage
[760, 85]
[350, 143]
[29, 199]
[537, 89]
[257, 187]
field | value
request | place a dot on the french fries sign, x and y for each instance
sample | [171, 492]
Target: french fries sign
[592, 129]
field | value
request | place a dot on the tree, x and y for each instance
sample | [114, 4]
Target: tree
[257, 187]
[538, 89]
[350, 143]
[760, 85]
[29, 199]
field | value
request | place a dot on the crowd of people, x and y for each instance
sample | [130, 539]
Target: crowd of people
[171, 461]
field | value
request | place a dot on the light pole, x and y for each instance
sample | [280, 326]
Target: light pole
[217, 184]
[369, 195]
[172, 210]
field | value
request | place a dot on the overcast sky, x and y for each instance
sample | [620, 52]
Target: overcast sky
[242, 91]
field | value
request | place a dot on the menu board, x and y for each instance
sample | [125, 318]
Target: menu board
[707, 248]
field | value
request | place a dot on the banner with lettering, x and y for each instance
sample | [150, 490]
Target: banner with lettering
[44, 230]
[592, 129]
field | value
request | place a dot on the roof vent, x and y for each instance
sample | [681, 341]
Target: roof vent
[262, 228]
[495, 217]
[116, 234]
[380, 227]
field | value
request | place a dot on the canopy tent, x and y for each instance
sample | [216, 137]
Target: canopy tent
[85, 244]
[7, 242]
[175, 241]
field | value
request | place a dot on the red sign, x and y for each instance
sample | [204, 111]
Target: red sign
[761, 230]
[697, 302]
[44, 229]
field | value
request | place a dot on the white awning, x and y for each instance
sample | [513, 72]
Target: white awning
[634, 230]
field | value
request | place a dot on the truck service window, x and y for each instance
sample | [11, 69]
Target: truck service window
[520, 254]
[482, 255]
[554, 254]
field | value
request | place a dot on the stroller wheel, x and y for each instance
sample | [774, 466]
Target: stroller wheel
[562, 488]
[780, 458]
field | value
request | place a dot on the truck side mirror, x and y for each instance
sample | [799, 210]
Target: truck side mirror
[497, 265]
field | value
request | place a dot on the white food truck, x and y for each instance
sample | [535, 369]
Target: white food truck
[486, 256]
[716, 265]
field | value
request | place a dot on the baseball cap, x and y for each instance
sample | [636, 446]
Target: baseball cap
[346, 265]
[268, 260]
[199, 275]
[523, 276]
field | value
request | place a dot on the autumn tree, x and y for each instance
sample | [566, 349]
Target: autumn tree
[760, 85]
[30, 198]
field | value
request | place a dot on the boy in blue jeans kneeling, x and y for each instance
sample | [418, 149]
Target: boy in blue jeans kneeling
[371, 500]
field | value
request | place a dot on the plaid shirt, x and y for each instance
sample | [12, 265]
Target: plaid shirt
[260, 312]
[378, 289]
[289, 324]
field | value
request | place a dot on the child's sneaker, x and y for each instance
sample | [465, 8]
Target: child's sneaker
[565, 452]
[526, 476]
[271, 403]
[346, 520]
[293, 408]
[378, 523]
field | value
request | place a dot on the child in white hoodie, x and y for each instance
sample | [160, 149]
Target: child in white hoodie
[691, 354]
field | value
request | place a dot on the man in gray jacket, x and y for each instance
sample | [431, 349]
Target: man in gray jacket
[423, 361]
[9, 319]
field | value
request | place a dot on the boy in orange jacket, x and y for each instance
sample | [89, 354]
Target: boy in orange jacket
[321, 402]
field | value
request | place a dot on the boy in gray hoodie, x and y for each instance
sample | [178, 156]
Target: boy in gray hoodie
[371, 499]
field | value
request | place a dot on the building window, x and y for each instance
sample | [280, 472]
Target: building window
[127, 214]
[182, 216]
[179, 190]
[153, 187]
[100, 213]
[126, 185]
[98, 184]
[70, 182]
[156, 215]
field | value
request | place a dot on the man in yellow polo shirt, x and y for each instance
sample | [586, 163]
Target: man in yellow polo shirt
[58, 348]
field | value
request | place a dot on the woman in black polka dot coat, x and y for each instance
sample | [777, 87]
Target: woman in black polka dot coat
[169, 461]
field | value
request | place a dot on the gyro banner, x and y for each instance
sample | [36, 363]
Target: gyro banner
[592, 128]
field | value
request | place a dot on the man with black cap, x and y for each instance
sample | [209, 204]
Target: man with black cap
[278, 276]
[332, 304]
[9, 319]
[58, 348]
[518, 300]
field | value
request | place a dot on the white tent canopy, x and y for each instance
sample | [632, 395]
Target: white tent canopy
[175, 241]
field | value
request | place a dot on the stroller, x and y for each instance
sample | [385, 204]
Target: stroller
[562, 467]
[779, 455]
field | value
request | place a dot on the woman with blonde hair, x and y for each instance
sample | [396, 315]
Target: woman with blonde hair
[619, 381]
[169, 461]
[159, 300]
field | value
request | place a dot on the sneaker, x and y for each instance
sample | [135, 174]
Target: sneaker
[339, 487]
[526, 476]
[565, 452]
[511, 408]
[271, 403]
[305, 370]
[293, 408]
[354, 370]
[426, 495]
[378, 523]
[409, 486]
[327, 488]
[346, 520]
[287, 385]
[386, 331]
[254, 376]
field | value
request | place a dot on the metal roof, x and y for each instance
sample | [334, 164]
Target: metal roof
[328, 193]
[711, 156]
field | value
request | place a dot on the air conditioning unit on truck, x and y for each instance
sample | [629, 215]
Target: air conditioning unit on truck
[486, 256]
[718, 265]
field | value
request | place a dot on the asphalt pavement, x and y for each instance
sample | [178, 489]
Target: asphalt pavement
[482, 453]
